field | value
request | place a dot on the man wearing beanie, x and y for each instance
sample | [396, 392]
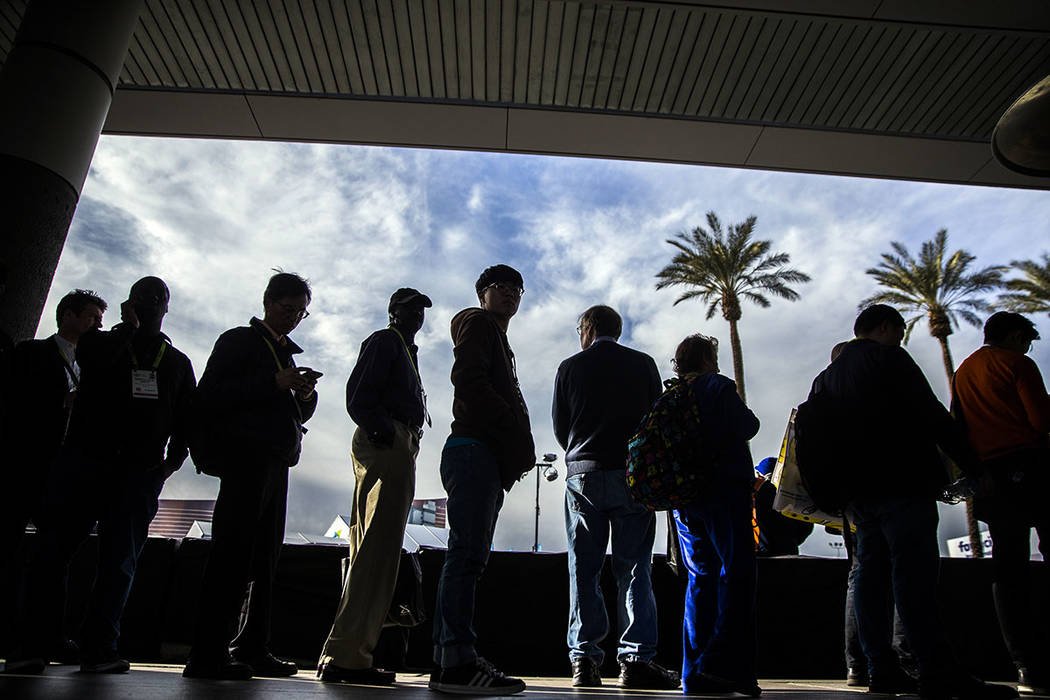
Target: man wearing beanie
[489, 449]
[385, 397]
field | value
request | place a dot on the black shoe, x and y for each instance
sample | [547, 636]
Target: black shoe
[706, 684]
[647, 675]
[857, 677]
[65, 651]
[267, 665]
[1029, 683]
[32, 666]
[749, 690]
[892, 681]
[103, 662]
[331, 673]
[585, 673]
[477, 678]
[963, 688]
[219, 668]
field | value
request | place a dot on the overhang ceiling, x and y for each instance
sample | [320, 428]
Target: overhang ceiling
[884, 88]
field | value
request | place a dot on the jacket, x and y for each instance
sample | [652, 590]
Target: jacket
[487, 404]
[384, 387]
[893, 421]
[39, 420]
[726, 425]
[108, 422]
[600, 395]
[239, 391]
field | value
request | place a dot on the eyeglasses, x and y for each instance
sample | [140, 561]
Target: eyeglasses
[291, 310]
[508, 288]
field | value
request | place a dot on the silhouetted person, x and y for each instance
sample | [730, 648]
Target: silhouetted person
[7, 347]
[600, 395]
[489, 449]
[778, 535]
[1000, 398]
[126, 436]
[716, 536]
[886, 410]
[253, 390]
[44, 377]
[385, 397]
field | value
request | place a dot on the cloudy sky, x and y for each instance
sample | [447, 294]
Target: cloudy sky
[213, 217]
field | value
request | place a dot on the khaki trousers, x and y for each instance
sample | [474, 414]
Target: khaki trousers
[386, 481]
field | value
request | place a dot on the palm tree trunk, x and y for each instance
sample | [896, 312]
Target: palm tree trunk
[972, 526]
[738, 360]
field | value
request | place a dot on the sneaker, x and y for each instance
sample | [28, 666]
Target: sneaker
[31, 666]
[585, 673]
[331, 673]
[476, 678]
[219, 668]
[647, 675]
[891, 682]
[857, 677]
[267, 665]
[964, 688]
[103, 662]
[706, 684]
[1029, 683]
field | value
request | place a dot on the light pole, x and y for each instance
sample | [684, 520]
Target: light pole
[550, 473]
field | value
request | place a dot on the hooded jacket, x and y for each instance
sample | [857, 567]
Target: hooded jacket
[487, 404]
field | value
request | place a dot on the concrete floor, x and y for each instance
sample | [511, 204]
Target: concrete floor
[159, 682]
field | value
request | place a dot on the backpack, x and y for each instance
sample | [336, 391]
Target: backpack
[822, 452]
[667, 466]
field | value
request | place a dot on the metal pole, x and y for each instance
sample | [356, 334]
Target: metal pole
[536, 541]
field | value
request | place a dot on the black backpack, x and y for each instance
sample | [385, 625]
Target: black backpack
[825, 453]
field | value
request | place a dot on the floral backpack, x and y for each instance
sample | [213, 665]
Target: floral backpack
[667, 465]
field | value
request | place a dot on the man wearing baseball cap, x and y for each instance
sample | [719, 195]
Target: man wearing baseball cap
[385, 397]
[490, 447]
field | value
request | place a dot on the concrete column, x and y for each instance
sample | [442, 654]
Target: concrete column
[55, 91]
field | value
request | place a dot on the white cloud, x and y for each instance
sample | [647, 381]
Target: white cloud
[212, 218]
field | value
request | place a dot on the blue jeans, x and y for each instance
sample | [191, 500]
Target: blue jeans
[596, 502]
[470, 475]
[83, 491]
[897, 550]
[718, 550]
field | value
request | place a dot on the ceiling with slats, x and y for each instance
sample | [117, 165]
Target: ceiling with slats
[875, 71]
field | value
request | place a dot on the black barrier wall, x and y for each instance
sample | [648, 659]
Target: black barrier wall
[522, 610]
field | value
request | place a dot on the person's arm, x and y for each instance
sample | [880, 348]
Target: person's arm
[474, 350]
[364, 388]
[560, 410]
[656, 386]
[182, 407]
[99, 350]
[1032, 391]
[740, 422]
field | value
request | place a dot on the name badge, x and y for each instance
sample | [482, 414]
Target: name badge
[144, 384]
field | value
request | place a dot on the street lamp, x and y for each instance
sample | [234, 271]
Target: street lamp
[550, 473]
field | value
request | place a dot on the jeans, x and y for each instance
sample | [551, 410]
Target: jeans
[718, 550]
[470, 475]
[84, 491]
[897, 551]
[596, 502]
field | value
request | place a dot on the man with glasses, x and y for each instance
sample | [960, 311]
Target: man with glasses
[253, 390]
[385, 397]
[127, 435]
[600, 395]
[489, 449]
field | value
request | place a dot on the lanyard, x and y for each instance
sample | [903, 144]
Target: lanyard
[273, 352]
[415, 370]
[156, 362]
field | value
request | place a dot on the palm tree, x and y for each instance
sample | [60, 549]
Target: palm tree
[1031, 295]
[724, 268]
[938, 287]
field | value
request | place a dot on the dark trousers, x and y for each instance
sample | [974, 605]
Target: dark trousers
[718, 550]
[1013, 505]
[247, 532]
[855, 658]
[897, 551]
[83, 492]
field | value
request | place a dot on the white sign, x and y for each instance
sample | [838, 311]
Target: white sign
[959, 547]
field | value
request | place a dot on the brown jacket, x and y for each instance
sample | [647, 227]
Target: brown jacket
[487, 404]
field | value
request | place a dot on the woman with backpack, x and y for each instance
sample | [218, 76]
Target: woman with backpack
[714, 530]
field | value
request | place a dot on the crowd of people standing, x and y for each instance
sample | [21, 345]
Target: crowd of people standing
[244, 422]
